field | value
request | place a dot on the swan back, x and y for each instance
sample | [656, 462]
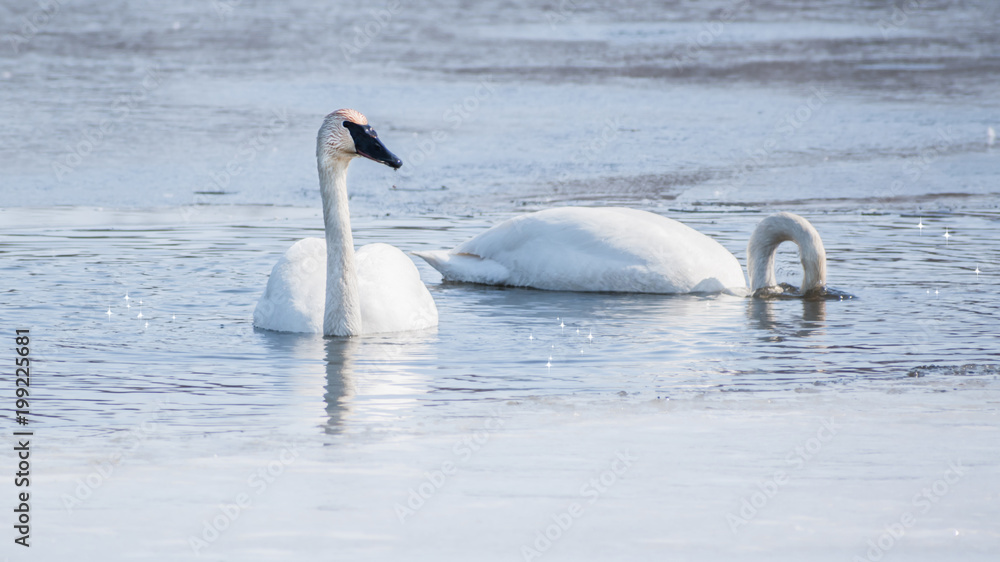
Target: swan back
[294, 297]
[764, 242]
[393, 298]
[593, 249]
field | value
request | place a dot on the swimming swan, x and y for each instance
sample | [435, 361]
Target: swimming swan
[763, 244]
[325, 286]
[626, 250]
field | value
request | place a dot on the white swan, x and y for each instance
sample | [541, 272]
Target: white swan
[764, 242]
[325, 286]
[625, 250]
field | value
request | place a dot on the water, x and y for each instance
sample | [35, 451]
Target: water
[187, 433]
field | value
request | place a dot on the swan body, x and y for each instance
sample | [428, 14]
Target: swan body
[325, 286]
[625, 250]
[593, 249]
[391, 295]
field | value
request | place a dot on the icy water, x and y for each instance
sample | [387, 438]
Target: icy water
[158, 160]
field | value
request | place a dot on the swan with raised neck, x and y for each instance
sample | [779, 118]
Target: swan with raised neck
[764, 242]
[325, 285]
[345, 135]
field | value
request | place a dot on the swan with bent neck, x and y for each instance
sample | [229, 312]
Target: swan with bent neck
[763, 245]
[325, 286]
[615, 249]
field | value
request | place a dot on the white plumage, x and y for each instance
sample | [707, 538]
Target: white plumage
[392, 296]
[617, 249]
[325, 286]
[593, 249]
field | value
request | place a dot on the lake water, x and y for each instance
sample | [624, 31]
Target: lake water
[159, 159]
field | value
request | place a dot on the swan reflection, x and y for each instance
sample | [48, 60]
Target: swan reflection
[361, 380]
[339, 387]
[762, 314]
[375, 378]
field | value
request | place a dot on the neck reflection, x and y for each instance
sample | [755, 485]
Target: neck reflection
[374, 379]
[766, 315]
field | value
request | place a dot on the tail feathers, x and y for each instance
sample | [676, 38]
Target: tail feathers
[469, 268]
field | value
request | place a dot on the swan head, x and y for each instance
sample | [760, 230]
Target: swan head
[346, 134]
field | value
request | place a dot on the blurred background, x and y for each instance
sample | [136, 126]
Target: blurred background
[850, 104]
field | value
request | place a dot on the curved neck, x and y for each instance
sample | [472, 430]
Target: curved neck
[342, 315]
[763, 245]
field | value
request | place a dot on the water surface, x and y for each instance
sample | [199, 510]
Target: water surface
[154, 413]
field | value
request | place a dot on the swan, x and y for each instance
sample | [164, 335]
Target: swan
[763, 244]
[615, 249]
[325, 286]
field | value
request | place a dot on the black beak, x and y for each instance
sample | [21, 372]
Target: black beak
[367, 144]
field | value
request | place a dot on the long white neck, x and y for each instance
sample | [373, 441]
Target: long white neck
[764, 242]
[342, 315]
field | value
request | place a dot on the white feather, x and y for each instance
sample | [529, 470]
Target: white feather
[625, 250]
[593, 249]
[325, 286]
[391, 295]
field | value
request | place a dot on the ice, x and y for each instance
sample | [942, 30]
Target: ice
[167, 153]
